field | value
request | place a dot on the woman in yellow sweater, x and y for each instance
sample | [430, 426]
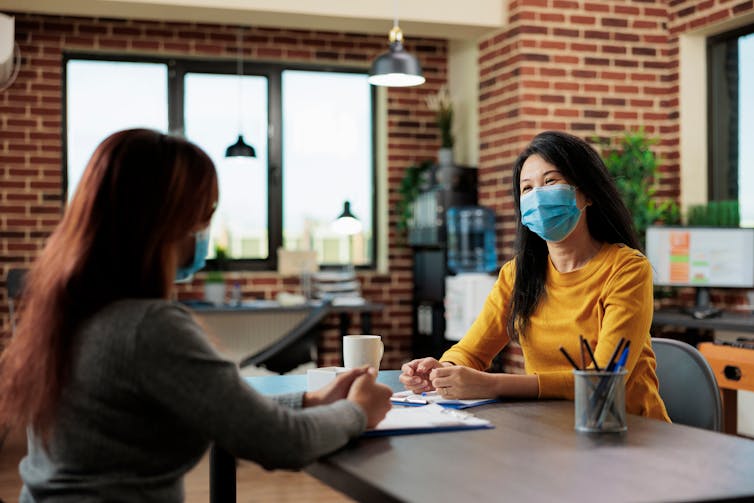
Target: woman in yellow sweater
[577, 270]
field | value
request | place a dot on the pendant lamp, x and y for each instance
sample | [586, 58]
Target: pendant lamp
[396, 67]
[240, 148]
[347, 224]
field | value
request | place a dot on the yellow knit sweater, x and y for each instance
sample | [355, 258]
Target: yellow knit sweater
[609, 298]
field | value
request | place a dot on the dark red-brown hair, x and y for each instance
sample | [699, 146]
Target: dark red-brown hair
[142, 193]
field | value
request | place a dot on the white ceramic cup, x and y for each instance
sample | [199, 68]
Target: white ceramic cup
[360, 350]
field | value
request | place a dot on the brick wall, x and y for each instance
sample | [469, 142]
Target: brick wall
[592, 68]
[595, 68]
[31, 141]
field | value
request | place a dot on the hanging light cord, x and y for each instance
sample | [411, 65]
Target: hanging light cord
[395, 13]
[239, 71]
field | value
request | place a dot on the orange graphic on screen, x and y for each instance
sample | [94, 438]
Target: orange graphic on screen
[679, 257]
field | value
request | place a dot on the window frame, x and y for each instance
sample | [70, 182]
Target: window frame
[718, 110]
[177, 68]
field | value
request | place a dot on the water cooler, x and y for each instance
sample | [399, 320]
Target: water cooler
[435, 239]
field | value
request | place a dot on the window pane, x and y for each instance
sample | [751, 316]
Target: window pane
[327, 155]
[746, 129]
[107, 96]
[216, 109]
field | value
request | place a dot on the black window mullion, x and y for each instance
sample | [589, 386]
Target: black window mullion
[274, 169]
[176, 73]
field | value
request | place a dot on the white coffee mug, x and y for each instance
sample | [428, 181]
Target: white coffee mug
[360, 350]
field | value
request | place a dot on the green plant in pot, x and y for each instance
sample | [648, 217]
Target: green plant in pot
[634, 166]
[408, 190]
[214, 283]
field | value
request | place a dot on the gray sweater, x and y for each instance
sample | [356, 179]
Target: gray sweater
[147, 395]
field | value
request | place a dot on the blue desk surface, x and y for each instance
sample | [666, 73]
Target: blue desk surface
[277, 385]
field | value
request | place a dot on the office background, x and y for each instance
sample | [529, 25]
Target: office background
[593, 68]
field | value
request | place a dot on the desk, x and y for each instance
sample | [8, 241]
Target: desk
[534, 454]
[726, 321]
[253, 326]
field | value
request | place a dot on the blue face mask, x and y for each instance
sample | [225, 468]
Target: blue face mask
[550, 211]
[201, 247]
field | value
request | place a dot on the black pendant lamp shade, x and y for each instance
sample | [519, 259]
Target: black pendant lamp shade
[240, 149]
[347, 224]
[396, 67]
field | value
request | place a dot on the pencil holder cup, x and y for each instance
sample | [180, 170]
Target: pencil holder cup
[600, 401]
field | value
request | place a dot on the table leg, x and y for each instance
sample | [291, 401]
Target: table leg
[730, 411]
[222, 476]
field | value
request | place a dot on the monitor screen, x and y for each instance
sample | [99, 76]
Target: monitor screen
[702, 256]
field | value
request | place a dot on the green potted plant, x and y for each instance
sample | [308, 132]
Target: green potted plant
[214, 283]
[633, 165]
[442, 105]
[409, 189]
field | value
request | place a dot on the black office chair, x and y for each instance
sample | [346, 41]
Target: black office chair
[687, 385]
[295, 348]
[14, 284]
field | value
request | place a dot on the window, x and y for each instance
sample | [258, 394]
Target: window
[134, 95]
[324, 142]
[312, 131]
[731, 133]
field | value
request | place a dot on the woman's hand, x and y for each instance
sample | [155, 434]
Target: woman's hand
[336, 390]
[415, 374]
[371, 396]
[460, 383]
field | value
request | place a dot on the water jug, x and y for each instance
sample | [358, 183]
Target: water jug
[471, 239]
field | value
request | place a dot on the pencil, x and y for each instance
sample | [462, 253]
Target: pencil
[581, 347]
[570, 360]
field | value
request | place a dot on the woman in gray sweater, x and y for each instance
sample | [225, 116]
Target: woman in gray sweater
[119, 387]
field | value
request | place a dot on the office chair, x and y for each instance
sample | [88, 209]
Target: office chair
[687, 385]
[14, 283]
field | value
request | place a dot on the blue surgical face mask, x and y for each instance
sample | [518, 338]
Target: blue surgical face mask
[550, 211]
[201, 247]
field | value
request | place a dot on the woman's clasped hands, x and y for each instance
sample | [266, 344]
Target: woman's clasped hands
[450, 381]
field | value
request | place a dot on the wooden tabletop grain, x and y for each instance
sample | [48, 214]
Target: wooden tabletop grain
[534, 454]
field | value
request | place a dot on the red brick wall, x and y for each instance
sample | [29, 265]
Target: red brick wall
[593, 68]
[31, 140]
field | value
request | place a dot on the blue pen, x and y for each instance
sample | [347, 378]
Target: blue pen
[608, 393]
[622, 360]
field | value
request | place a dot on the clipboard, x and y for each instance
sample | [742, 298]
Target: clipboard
[431, 418]
[411, 399]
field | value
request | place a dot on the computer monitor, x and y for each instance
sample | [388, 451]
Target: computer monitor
[702, 257]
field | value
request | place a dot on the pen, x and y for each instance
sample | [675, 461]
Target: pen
[568, 357]
[616, 352]
[608, 394]
[581, 347]
[591, 355]
[623, 357]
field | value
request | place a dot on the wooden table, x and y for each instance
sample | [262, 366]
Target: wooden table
[534, 454]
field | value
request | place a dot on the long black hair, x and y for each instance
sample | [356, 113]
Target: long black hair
[607, 218]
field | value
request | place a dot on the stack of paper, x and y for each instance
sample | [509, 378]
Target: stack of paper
[431, 418]
[410, 398]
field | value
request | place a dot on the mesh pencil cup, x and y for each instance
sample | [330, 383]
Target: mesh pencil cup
[599, 401]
